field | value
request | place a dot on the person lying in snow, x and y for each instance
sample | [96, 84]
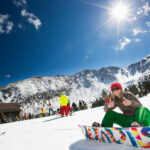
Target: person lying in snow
[134, 114]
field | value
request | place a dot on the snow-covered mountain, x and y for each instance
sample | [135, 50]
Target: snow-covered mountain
[86, 85]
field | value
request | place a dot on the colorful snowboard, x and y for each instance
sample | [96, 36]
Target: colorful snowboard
[138, 137]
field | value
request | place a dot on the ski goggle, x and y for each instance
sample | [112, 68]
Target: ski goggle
[116, 89]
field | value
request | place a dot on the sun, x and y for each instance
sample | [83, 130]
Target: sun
[120, 12]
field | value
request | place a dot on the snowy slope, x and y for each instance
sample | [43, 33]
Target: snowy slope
[54, 133]
[86, 85]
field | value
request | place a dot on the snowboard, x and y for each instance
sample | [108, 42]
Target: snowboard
[133, 136]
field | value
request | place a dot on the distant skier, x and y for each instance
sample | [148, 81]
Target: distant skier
[82, 105]
[50, 107]
[69, 108]
[30, 116]
[134, 114]
[58, 111]
[25, 116]
[63, 100]
[43, 112]
[74, 106]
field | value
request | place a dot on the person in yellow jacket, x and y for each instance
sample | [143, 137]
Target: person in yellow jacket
[63, 100]
[43, 112]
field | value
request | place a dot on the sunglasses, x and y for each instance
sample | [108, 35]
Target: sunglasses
[116, 89]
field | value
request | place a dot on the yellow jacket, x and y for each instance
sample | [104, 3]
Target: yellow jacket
[63, 100]
[43, 111]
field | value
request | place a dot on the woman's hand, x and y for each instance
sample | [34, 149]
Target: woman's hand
[126, 102]
[111, 104]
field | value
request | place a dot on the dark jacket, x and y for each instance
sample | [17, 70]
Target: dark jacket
[127, 110]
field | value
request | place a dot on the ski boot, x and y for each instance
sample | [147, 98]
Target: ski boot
[96, 124]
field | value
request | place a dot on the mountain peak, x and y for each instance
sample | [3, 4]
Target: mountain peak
[86, 85]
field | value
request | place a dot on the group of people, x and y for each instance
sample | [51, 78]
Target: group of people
[133, 113]
[64, 110]
[43, 113]
[50, 110]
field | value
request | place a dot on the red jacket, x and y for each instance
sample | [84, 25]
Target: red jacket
[25, 116]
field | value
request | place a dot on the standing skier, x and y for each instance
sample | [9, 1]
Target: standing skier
[25, 116]
[63, 100]
[69, 108]
[50, 109]
[134, 114]
[43, 112]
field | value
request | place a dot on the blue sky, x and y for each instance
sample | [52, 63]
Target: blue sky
[63, 37]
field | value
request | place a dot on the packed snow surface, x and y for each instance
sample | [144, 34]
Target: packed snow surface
[55, 133]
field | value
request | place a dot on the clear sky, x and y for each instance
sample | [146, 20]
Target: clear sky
[63, 37]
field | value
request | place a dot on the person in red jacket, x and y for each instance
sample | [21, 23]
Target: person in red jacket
[63, 100]
[25, 116]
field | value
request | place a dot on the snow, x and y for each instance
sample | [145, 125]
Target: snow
[146, 101]
[57, 133]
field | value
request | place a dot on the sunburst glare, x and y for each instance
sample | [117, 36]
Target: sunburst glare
[120, 12]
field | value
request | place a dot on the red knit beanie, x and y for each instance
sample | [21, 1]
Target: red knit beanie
[116, 85]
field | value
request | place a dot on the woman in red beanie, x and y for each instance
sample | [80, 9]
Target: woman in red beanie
[134, 114]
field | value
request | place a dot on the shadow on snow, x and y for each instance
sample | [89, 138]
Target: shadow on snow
[94, 145]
